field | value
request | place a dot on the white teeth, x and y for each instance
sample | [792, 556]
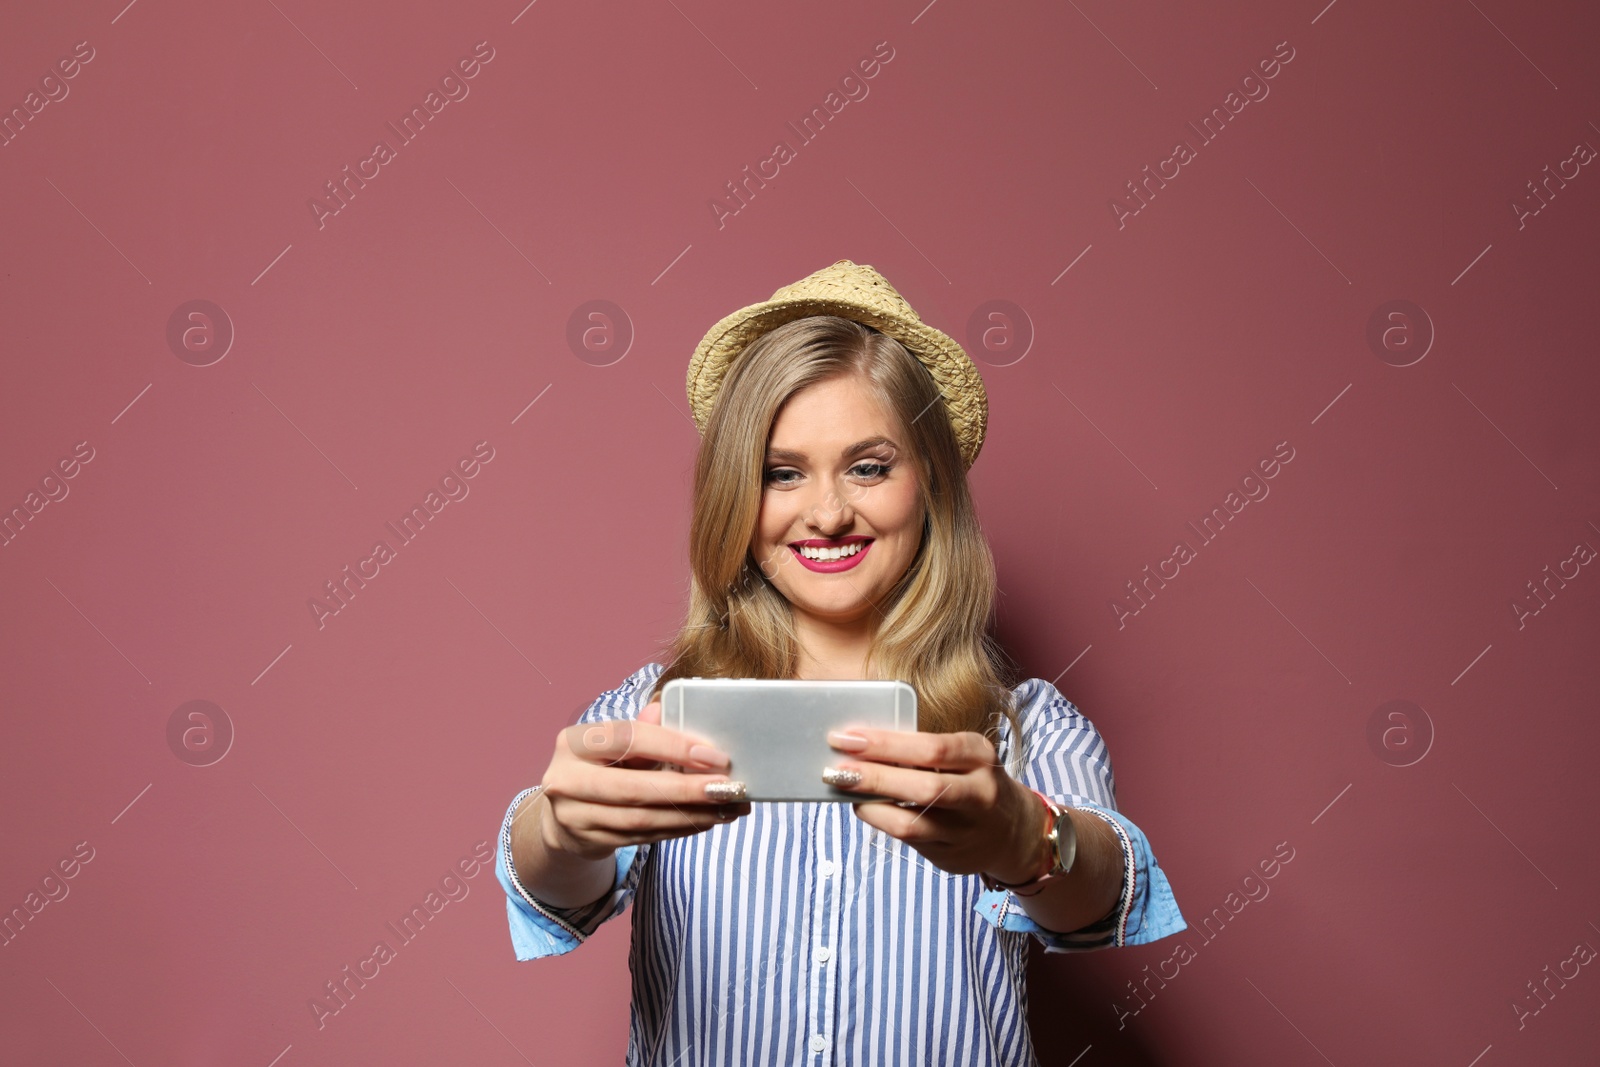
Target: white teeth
[831, 553]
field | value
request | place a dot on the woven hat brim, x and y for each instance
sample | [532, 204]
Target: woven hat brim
[948, 363]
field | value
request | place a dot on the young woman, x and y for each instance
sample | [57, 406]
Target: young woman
[834, 537]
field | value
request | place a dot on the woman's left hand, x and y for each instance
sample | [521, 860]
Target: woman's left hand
[967, 815]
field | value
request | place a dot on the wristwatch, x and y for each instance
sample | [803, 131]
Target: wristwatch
[1061, 841]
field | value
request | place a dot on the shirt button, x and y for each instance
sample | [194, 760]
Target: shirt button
[824, 953]
[818, 1042]
[827, 869]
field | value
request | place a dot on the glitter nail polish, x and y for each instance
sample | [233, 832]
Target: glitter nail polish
[725, 791]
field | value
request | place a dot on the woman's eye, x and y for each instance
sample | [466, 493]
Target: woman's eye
[782, 475]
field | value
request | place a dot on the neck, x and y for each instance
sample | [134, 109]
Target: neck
[832, 650]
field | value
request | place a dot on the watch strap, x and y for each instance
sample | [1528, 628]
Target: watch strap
[1057, 824]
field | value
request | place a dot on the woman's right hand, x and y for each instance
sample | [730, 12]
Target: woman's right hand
[608, 785]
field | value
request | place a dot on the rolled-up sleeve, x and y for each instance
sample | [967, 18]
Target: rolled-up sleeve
[538, 929]
[1066, 759]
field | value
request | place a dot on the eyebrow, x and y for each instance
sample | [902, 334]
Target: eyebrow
[790, 455]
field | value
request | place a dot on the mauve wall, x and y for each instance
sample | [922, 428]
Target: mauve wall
[1377, 265]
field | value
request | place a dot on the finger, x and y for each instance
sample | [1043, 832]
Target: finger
[614, 825]
[700, 748]
[617, 740]
[650, 713]
[625, 787]
[964, 751]
[925, 789]
[912, 826]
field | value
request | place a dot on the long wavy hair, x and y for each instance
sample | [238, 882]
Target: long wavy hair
[933, 628]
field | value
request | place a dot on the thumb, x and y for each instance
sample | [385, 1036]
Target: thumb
[650, 713]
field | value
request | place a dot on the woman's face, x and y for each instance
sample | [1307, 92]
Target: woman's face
[836, 473]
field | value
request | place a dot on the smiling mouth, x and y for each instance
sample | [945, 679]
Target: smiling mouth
[836, 556]
[821, 550]
[825, 554]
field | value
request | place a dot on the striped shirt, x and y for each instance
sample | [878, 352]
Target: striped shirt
[798, 934]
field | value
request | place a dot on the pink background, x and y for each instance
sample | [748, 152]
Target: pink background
[1434, 873]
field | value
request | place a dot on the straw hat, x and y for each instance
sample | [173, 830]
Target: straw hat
[853, 291]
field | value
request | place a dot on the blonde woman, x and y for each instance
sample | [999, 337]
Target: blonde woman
[834, 537]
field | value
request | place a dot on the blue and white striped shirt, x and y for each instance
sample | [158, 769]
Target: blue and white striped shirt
[798, 934]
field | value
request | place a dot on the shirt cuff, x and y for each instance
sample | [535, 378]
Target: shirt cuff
[539, 929]
[1146, 908]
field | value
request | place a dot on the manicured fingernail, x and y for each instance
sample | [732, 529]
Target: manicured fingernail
[848, 742]
[707, 755]
[725, 791]
[842, 777]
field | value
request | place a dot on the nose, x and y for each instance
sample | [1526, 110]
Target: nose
[831, 515]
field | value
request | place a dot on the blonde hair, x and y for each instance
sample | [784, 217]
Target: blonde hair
[933, 625]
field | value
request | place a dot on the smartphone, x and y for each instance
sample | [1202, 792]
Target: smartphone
[775, 730]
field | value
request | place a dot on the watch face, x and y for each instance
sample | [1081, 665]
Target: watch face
[1065, 842]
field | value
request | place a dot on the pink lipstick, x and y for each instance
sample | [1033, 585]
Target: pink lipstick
[832, 566]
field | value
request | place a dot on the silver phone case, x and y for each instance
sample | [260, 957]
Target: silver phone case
[775, 730]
